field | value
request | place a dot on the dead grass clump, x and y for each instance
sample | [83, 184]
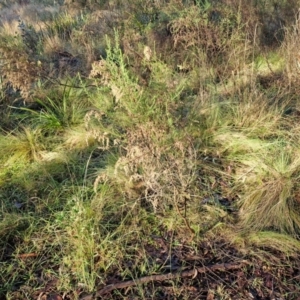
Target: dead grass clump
[152, 170]
[101, 21]
[267, 181]
[211, 36]
[268, 206]
[266, 163]
[270, 199]
[290, 52]
[20, 69]
[265, 20]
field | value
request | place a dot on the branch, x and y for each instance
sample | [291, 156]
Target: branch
[162, 277]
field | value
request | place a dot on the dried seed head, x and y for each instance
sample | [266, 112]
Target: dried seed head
[147, 53]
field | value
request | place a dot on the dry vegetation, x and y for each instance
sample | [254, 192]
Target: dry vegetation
[149, 149]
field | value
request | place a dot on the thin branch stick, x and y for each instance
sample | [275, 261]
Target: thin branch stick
[189, 273]
[192, 231]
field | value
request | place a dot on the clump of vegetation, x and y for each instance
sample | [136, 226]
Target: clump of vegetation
[149, 149]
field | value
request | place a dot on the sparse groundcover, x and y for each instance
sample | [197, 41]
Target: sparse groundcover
[149, 150]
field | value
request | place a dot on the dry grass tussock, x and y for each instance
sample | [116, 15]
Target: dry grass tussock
[267, 168]
[290, 50]
[152, 171]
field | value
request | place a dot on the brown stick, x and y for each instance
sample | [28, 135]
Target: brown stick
[161, 277]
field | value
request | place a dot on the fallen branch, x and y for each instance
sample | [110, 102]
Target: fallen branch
[188, 273]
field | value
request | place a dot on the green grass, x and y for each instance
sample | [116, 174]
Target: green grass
[118, 162]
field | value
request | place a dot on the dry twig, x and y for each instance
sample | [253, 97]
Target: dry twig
[161, 277]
